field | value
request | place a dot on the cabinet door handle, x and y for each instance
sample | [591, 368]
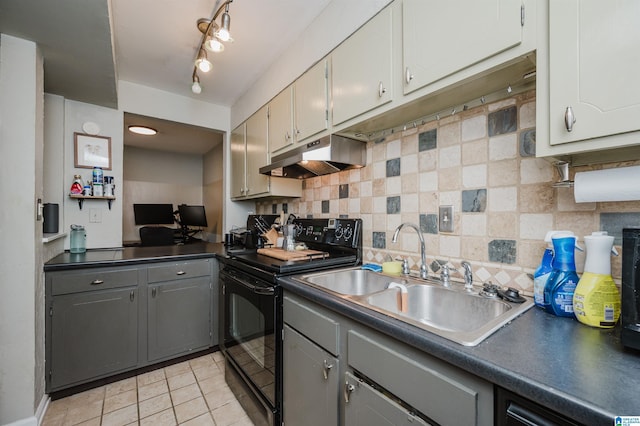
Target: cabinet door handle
[569, 119]
[287, 136]
[408, 76]
[381, 90]
[325, 369]
[154, 291]
[348, 388]
[132, 295]
[97, 282]
[180, 273]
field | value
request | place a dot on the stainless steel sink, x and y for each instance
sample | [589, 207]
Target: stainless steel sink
[451, 312]
[349, 281]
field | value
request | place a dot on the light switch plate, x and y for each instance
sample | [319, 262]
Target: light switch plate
[445, 219]
[95, 215]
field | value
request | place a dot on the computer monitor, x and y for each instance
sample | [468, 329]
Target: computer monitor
[153, 214]
[192, 216]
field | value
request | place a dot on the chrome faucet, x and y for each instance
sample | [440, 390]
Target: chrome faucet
[468, 275]
[423, 255]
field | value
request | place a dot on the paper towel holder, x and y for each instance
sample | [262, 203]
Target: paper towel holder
[563, 170]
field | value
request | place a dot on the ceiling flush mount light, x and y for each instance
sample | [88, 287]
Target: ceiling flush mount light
[213, 36]
[143, 130]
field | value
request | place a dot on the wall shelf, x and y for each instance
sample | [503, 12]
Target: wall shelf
[81, 199]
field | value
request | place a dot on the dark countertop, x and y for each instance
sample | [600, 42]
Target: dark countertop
[579, 371]
[133, 255]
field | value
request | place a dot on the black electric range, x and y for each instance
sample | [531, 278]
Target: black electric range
[251, 321]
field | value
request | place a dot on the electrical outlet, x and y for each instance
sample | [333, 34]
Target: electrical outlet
[445, 219]
[95, 215]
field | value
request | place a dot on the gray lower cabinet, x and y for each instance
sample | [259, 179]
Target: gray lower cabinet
[381, 380]
[310, 382]
[366, 406]
[178, 308]
[92, 325]
[107, 320]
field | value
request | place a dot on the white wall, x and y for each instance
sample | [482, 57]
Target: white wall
[21, 276]
[107, 232]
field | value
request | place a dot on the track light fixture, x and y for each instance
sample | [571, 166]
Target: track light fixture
[213, 36]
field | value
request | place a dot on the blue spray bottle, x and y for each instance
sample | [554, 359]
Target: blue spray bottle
[562, 281]
[542, 272]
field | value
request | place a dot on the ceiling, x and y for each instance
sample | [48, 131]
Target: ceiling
[90, 44]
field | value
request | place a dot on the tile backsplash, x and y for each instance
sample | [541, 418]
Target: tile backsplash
[482, 163]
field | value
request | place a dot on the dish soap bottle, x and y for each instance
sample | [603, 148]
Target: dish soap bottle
[596, 301]
[562, 281]
[541, 274]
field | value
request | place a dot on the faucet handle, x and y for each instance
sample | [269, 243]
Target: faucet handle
[468, 275]
[405, 267]
[445, 274]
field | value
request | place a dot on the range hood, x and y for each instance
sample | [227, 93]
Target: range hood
[330, 154]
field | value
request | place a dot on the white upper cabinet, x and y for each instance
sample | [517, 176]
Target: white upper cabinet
[311, 102]
[300, 111]
[362, 69]
[281, 121]
[440, 38]
[238, 156]
[594, 58]
[257, 156]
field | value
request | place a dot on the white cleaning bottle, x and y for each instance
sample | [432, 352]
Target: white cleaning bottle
[596, 300]
[541, 274]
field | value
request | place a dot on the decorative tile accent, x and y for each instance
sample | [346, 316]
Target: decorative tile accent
[428, 140]
[502, 251]
[343, 191]
[393, 167]
[393, 205]
[429, 223]
[528, 143]
[380, 240]
[474, 200]
[614, 222]
[325, 206]
[503, 121]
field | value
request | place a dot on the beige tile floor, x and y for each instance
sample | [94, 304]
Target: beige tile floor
[192, 392]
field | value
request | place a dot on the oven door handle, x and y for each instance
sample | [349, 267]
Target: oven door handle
[265, 291]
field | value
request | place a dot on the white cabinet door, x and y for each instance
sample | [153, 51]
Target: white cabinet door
[594, 58]
[442, 37]
[257, 156]
[238, 154]
[362, 69]
[312, 101]
[280, 121]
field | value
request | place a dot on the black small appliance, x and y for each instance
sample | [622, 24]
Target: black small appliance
[630, 313]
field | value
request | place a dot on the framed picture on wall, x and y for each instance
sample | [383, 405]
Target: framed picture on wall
[92, 151]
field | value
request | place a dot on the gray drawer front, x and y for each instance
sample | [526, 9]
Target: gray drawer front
[170, 271]
[92, 279]
[320, 329]
[427, 388]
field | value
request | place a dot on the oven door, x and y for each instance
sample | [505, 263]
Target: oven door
[249, 327]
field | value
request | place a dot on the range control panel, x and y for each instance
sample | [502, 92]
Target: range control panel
[342, 232]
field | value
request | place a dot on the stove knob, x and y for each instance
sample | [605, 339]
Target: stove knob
[348, 233]
[298, 229]
[339, 232]
[309, 230]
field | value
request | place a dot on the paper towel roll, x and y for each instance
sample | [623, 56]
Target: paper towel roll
[621, 184]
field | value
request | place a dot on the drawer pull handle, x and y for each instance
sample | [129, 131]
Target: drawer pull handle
[97, 282]
[325, 369]
[132, 295]
[180, 273]
[348, 388]
[154, 291]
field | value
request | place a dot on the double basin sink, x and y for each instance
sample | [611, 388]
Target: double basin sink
[465, 317]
